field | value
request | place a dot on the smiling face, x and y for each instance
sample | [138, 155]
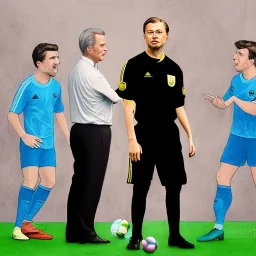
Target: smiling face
[155, 35]
[50, 63]
[242, 61]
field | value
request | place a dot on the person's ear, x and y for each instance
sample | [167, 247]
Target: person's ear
[38, 63]
[89, 50]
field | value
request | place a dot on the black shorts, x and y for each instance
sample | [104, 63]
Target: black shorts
[163, 151]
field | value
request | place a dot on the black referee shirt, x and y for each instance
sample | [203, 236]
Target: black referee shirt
[156, 86]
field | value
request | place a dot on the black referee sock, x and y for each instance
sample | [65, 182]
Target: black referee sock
[173, 209]
[139, 197]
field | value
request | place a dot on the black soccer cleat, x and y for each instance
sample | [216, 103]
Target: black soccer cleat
[134, 243]
[180, 242]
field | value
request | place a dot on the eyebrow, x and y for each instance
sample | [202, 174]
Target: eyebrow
[150, 30]
[53, 57]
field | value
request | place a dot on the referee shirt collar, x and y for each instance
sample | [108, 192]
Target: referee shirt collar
[89, 61]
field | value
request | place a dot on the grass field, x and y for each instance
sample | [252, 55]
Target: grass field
[240, 240]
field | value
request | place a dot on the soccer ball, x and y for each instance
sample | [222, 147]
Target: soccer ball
[149, 244]
[119, 228]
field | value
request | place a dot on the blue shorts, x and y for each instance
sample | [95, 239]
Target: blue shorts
[239, 150]
[36, 156]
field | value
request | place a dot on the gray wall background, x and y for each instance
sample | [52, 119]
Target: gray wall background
[201, 41]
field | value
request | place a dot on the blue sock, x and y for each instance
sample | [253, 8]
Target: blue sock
[24, 199]
[222, 202]
[37, 201]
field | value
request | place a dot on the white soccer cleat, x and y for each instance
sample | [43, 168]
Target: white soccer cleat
[18, 235]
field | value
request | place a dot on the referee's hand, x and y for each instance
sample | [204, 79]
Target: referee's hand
[192, 148]
[135, 150]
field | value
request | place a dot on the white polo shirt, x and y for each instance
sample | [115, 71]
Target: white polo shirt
[90, 96]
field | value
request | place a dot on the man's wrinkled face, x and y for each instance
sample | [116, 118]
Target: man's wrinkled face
[99, 49]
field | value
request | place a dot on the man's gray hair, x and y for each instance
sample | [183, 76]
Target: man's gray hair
[87, 38]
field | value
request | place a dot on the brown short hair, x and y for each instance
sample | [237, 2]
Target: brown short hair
[250, 45]
[40, 51]
[155, 20]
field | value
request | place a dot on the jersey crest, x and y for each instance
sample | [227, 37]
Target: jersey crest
[171, 80]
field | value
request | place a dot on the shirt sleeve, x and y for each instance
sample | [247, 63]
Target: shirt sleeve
[59, 107]
[229, 93]
[126, 83]
[101, 85]
[20, 100]
[180, 92]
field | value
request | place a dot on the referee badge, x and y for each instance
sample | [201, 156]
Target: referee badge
[122, 86]
[171, 80]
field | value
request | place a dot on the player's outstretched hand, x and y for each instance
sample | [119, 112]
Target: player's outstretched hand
[216, 101]
[31, 140]
[135, 150]
[192, 148]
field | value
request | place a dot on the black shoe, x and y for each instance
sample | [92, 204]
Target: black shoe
[75, 239]
[180, 242]
[71, 233]
[134, 243]
[96, 240]
[70, 239]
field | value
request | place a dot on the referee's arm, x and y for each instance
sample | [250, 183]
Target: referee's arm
[126, 92]
[129, 108]
[183, 119]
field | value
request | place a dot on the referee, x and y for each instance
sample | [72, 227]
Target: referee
[151, 85]
[91, 99]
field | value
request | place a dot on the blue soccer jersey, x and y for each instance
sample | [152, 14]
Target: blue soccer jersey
[38, 102]
[244, 124]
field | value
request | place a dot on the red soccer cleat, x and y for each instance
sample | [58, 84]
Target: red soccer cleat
[31, 232]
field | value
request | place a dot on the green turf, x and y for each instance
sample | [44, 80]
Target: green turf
[240, 240]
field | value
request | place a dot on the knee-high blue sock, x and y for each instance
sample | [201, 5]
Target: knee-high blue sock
[222, 202]
[37, 201]
[24, 198]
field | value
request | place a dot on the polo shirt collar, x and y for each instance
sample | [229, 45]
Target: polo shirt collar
[89, 61]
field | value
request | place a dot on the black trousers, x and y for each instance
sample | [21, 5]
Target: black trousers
[90, 145]
[138, 208]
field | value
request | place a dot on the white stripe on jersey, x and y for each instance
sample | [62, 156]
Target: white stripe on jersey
[19, 93]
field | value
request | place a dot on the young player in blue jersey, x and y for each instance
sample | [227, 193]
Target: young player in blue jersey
[241, 145]
[38, 98]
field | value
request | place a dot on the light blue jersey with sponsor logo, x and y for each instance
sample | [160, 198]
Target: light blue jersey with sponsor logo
[38, 102]
[244, 124]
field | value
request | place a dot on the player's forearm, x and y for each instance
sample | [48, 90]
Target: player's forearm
[182, 117]
[14, 120]
[129, 108]
[60, 117]
[246, 106]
